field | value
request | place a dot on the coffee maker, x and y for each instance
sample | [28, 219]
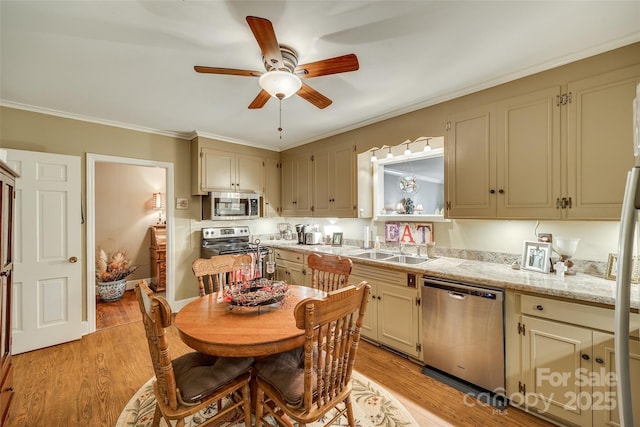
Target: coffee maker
[300, 229]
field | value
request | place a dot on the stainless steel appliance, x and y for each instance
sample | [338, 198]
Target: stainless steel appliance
[313, 238]
[463, 332]
[232, 240]
[626, 238]
[300, 231]
[222, 206]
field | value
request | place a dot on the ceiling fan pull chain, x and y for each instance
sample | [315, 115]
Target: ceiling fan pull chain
[280, 118]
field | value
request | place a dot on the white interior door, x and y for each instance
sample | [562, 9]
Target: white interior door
[47, 287]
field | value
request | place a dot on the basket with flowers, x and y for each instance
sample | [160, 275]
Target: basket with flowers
[111, 270]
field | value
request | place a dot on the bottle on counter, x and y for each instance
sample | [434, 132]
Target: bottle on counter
[376, 244]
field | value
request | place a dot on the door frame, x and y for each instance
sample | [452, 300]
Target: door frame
[92, 159]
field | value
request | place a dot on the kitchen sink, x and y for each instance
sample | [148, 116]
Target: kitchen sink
[372, 255]
[407, 259]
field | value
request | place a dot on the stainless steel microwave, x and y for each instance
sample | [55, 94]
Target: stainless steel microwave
[223, 206]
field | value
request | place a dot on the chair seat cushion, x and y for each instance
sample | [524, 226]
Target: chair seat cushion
[285, 372]
[199, 375]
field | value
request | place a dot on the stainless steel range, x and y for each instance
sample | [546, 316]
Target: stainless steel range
[232, 240]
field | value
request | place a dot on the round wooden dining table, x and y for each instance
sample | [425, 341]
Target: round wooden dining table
[207, 324]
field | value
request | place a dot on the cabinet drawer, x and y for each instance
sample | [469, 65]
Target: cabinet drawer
[578, 314]
[283, 255]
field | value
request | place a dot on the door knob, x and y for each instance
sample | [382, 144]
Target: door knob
[73, 260]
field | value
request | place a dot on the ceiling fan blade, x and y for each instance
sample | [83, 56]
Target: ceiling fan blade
[229, 71]
[266, 37]
[339, 64]
[260, 100]
[313, 96]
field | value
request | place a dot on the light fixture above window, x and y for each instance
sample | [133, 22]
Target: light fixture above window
[280, 84]
[373, 156]
[427, 147]
[407, 151]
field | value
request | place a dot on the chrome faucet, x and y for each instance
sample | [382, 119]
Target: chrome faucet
[401, 247]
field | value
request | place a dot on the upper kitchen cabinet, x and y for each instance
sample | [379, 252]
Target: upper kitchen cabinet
[226, 171]
[504, 159]
[528, 156]
[334, 181]
[215, 169]
[599, 143]
[471, 164]
[320, 183]
[296, 184]
[272, 201]
[557, 153]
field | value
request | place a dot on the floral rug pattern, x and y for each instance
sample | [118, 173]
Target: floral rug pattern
[373, 406]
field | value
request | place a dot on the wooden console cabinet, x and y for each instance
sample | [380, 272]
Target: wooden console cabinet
[7, 208]
[158, 254]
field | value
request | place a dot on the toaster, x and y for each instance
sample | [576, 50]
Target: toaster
[313, 238]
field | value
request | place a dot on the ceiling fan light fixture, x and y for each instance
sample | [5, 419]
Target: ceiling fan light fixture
[280, 84]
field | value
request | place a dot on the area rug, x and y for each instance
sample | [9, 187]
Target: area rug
[372, 406]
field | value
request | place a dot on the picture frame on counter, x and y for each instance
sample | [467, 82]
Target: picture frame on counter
[336, 239]
[612, 268]
[536, 256]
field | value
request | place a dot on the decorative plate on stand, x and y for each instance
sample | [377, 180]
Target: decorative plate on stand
[408, 185]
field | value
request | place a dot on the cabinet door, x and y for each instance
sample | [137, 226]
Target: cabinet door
[471, 165]
[551, 362]
[600, 136]
[398, 318]
[342, 181]
[604, 401]
[528, 156]
[249, 174]
[296, 185]
[370, 321]
[272, 201]
[289, 186]
[322, 183]
[218, 170]
[7, 210]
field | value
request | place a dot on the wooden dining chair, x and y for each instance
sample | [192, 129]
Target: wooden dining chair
[218, 272]
[193, 381]
[305, 383]
[329, 272]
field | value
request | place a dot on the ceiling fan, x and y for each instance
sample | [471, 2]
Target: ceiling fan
[283, 74]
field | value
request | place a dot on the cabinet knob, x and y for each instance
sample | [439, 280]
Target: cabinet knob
[73, 260]
[585, 357]
[599, 360]
[492, 191]
[501, 191]
[539, 307]
[379, 297]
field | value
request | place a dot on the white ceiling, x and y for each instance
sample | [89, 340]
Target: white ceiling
[130, 63]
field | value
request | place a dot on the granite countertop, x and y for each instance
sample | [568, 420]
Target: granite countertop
[581, 287]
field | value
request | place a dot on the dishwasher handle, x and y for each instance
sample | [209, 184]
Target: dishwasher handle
[456, 295]
[462, 289]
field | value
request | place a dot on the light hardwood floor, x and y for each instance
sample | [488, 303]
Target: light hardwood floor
[88, 382]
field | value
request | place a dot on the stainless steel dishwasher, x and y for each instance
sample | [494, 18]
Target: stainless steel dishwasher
[463, 332]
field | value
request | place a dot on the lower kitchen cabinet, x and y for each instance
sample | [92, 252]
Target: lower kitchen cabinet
[291, 267]
[560, 360]
[393, 313]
